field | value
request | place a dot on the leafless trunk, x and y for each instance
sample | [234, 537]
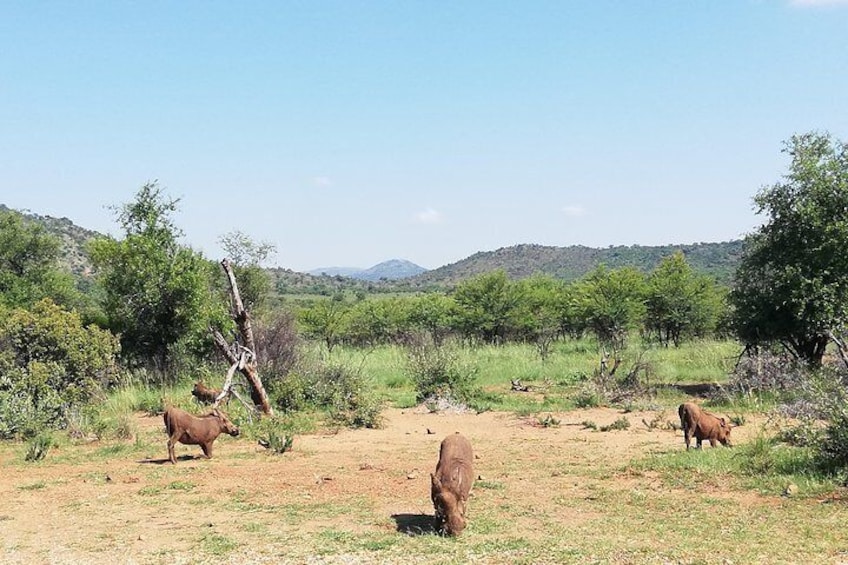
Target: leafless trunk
[242, 357]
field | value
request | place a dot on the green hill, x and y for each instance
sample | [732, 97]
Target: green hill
[718, 260]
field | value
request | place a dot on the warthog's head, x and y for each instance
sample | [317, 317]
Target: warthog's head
[723, 431]
[449, 509]
[227, 426]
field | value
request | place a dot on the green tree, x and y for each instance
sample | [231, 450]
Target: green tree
[680, 304]
[434, 314]
[28, 264]
[486, 306]
[791, 287]
[325, 320]
[157, 291]
[541, 310]
[378, 320]
[612, 304]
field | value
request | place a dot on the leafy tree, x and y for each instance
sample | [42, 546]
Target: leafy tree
[612, 304]
[378, 320]
[325, 320]
[433, 313]
[247, 256]
[486, 306]
[540, 313]
[28, 264]
[680, 304]
[791, 287]
[49, 361]
[157, 292]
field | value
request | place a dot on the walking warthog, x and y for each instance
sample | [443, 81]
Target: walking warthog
[204, 394]
[702, 425]
[451, 484]
[193, 430]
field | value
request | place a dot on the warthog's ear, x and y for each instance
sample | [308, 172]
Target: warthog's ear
[723, 422]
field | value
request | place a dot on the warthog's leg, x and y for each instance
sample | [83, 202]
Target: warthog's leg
[207, 449]
[171, 457]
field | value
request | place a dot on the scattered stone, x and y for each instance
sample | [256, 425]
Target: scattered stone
[430, 432]
[790, 490]
[412, 475]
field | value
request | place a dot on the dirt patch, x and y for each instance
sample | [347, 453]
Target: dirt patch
[121, 503]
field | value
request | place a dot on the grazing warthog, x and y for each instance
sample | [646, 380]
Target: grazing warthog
[451, 484]
[193, 430]
[204, 394]
[703, 425]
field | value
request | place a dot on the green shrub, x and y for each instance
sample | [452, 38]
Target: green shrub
[620, 424]
[588, 397]
[437, 373]
[49, 362]
[39, 446]
[343, 393]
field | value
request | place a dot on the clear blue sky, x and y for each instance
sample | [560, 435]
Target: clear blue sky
[348, 133]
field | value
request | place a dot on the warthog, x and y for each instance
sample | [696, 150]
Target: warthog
[703, 425]
[204, 394]
[193, 430]
[451, 484]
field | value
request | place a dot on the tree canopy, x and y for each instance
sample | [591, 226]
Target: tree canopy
[792, 285]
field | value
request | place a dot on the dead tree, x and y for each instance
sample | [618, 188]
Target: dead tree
[241, 357]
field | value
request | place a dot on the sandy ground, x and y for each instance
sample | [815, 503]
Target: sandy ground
[122, 503]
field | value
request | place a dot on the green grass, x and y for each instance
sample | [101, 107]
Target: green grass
[762, 465]
[554, 383]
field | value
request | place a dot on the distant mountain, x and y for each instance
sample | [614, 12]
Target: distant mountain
[393, 269]
[335, 271]
[390, 270]
[718, 260]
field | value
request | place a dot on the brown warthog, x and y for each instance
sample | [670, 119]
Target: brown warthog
[192, 430]
[451, 484]
[204, 394]
[702, 425]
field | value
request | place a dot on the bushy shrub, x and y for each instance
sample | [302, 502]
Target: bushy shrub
[49, 361]
[438, 373]
[345, 394]
[28, 404]
[765, 371]
[39, 446]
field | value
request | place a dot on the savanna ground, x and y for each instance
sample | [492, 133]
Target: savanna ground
[552, 487]
[556, 494]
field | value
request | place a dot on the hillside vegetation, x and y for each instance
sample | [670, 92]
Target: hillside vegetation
[717, 260]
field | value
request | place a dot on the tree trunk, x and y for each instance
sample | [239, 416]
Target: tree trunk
[248, 367]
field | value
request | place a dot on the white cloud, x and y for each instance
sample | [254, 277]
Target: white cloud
[574, 211]
[813, 3]
[428, 216]
[323, 182]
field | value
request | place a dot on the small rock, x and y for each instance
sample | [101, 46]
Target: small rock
[430, 432]
[108, 479]
[412, 475]
[140, 538]
[790, 490]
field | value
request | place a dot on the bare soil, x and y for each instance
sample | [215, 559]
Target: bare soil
[357, 496]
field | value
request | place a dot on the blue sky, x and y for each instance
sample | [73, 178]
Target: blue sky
[348, 133]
